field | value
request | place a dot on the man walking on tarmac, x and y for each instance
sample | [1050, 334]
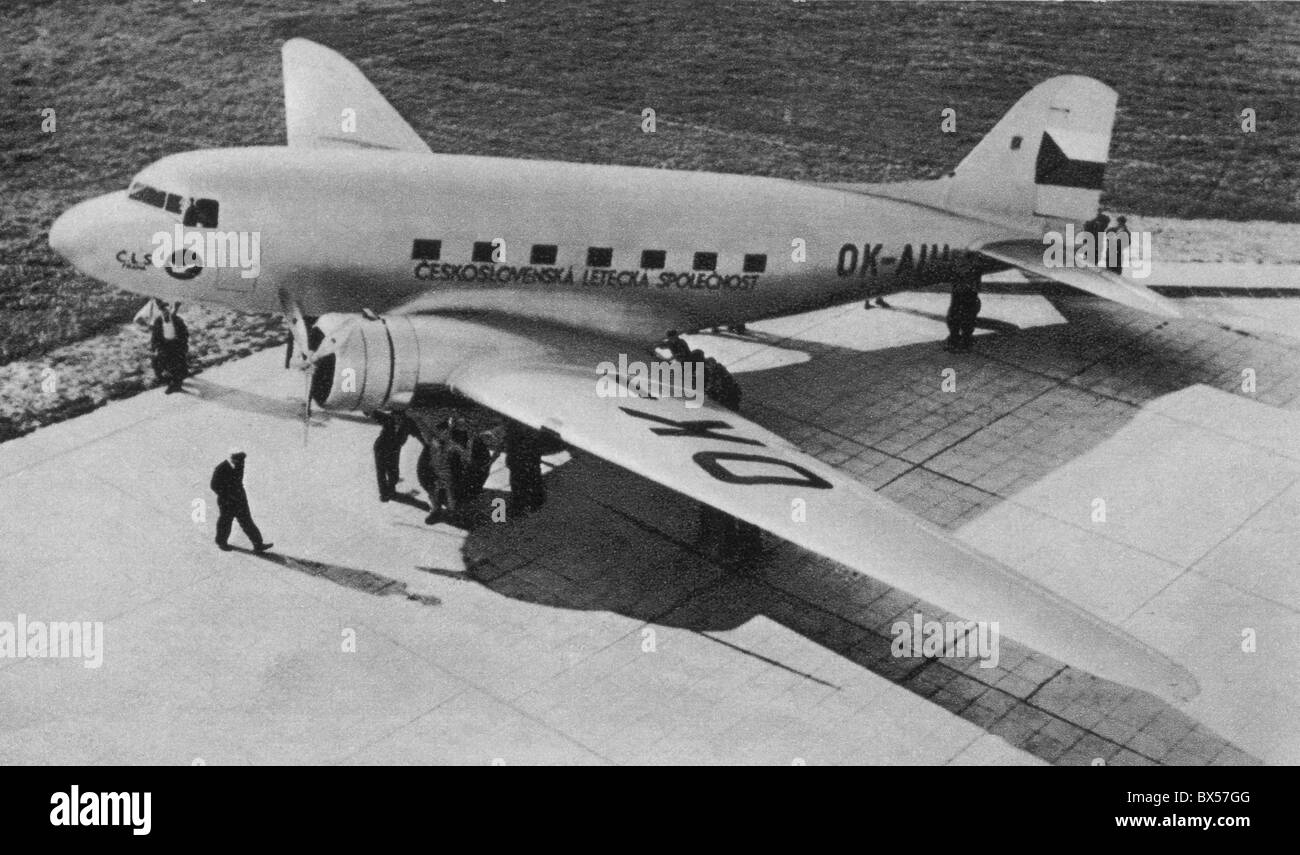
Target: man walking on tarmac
[232, 503]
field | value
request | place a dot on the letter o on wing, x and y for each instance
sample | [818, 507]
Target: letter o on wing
[711, 462]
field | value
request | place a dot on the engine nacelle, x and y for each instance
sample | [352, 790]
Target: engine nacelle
[366, 364]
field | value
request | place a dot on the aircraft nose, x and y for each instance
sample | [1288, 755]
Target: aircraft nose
[84, 233]
[63, 231]
[73, 232]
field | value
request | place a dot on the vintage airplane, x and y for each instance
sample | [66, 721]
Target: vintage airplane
[507, 282]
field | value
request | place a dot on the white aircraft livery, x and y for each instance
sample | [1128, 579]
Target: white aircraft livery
[508, 282]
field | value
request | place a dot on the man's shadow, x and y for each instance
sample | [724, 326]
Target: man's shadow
[365, 581]
[410, 497]
[981, 322]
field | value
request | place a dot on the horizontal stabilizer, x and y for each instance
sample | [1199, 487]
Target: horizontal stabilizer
[1028, 256]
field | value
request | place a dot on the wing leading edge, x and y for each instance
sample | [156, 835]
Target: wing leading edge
[713, 455]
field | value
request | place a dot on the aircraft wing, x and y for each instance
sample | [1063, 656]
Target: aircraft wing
[717, 457]
[320, 85]
[1028, 256]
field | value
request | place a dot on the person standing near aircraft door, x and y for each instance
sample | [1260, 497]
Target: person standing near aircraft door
[232, 503]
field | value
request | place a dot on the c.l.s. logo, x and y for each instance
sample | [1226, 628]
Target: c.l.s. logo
[183, 264]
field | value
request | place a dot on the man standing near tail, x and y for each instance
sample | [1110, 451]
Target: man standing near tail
[963, 310]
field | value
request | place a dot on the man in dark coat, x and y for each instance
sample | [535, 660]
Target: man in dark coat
[170, 342]
[232, 503]
[393, 433]
[963, 310]
[1117, 242]
[1096, 227]
[524, 460]
[719, 384]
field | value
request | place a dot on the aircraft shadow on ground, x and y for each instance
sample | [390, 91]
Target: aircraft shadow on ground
[645, 566]
[662, 578]
[1102, 350]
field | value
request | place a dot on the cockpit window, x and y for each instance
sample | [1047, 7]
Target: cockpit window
[198, 213]
[202, 213]
[148, 195]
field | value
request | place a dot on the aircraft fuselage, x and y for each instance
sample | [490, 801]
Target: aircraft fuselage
[624, 250]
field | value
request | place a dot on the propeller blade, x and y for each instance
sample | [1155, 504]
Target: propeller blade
[297, 327]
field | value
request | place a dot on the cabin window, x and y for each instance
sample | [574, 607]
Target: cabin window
[482, 250]
[755, 263]
[653, 259]
[173, 203]
[1015, 143]
[201, 214]
[426, 250]
[600, 256]
[543, 253]
[705, 261]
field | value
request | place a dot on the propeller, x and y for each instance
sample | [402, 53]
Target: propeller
[306, 363]
[308, 358]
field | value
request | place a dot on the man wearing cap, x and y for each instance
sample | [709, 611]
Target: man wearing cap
[232, 502]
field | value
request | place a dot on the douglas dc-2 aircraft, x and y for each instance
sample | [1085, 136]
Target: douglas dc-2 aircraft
[507, 282]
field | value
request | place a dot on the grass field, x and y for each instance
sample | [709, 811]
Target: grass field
[834, 91]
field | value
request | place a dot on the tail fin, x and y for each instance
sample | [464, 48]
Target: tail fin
[1044, 159]
[329, 103]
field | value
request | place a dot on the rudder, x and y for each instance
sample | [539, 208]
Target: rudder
[1045, 159]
